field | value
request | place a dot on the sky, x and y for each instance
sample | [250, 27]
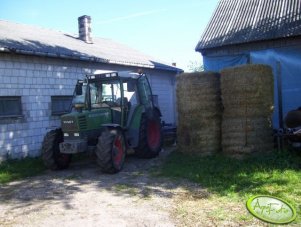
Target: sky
[168, 30]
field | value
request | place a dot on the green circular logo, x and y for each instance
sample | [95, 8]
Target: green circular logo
[271, 209]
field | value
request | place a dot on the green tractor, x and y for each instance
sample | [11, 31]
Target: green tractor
[111, 113]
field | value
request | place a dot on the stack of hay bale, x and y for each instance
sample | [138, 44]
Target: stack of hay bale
[199, 112]
[247, 96]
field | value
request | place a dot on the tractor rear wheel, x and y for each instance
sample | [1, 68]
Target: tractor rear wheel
[150, 136]
[111, 150]
[51, 155]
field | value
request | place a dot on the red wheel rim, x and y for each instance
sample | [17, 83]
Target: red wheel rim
[118, 151]
[153, 134]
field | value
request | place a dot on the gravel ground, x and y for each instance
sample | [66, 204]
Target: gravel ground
[83, 196]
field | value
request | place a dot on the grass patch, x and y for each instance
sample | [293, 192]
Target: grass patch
[277, 174]
[17, 169]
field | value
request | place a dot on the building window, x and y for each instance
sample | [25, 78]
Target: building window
[60, 104]
[10, 106]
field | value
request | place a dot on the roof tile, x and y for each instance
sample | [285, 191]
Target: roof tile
[40, 41]
[242, 21]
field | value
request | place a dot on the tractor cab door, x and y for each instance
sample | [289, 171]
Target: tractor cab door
[112, 96]
[145, 92]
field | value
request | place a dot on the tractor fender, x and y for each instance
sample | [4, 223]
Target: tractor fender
[133, 126]
[150, 112]
[116, 126]
[112, 126]
[157, 110]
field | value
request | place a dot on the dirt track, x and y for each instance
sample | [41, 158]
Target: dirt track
[83, 196]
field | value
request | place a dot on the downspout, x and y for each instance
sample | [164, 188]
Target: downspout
[279, 91]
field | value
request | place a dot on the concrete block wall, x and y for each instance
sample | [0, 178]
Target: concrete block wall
[163, 85]
[36, 79]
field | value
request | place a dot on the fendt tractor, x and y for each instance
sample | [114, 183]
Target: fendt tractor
[111, 112]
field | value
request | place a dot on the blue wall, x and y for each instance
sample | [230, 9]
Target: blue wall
[218, 63]
[289, 61]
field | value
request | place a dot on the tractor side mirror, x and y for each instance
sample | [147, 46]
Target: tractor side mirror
[78, 89]
[131, 86]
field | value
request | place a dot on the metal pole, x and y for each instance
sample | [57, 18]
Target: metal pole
[280, 107]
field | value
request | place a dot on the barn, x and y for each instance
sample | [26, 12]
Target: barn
[39, 69]
[258, 31]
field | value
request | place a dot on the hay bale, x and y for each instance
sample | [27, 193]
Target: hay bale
[247, 95]
[248, 111]
[199, 112]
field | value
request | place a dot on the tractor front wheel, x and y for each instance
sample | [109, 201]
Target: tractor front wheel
[111, 150]
[150, 136]
[51, 155]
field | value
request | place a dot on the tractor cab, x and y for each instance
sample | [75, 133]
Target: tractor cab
[109, 93]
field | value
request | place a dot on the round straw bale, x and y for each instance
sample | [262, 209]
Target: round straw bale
[247, 96]
[253, 74]
[247, 85]
[237, 111]
[199, 112]
[245, 100]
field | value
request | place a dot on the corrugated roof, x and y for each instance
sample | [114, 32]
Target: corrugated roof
[27, 39]
[242, 21]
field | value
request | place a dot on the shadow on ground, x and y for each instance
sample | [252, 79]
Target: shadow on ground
[136, 179]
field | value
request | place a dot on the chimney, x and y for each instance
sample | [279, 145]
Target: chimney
[84, 29]
[174, 64]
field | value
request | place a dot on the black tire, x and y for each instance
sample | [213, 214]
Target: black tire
[51, 155]
[150, 136]
[111, 150]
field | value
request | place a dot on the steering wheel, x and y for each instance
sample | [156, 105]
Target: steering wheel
[110, 103]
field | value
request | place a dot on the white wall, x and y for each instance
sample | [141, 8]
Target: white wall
[36, 79]
[163, 85]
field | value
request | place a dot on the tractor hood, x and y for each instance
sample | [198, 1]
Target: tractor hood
[86, 120]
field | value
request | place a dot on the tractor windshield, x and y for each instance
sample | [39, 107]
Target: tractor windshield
[96, 93]
[105, 93]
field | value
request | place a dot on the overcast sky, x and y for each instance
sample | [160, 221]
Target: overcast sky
[166, 29]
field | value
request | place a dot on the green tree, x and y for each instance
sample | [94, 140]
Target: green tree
[195, 66]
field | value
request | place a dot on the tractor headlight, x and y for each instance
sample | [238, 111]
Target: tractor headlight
[76, 134]
[66, 134]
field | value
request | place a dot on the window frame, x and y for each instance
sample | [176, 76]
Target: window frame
[60, 98]
[18, 100]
